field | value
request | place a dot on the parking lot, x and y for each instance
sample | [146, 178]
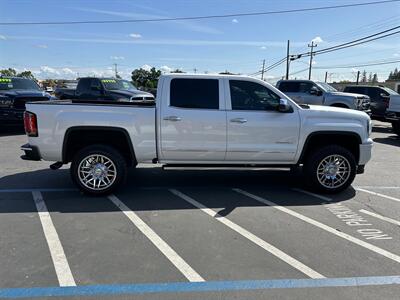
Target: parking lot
[199, 234]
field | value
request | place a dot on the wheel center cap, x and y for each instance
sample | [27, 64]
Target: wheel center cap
[99, 170]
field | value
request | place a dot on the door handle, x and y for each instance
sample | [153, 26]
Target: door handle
[238, 120]
[172, 118]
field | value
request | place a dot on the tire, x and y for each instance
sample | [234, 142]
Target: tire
[109, 164]
[325, 159]
[396, 127]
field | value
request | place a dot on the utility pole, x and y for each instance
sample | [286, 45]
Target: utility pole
[326, 76]
[116, 70]
[287, 60]
[358, 77]
[262, 70]
[311, 57]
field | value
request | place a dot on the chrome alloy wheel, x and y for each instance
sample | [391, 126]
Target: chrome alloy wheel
[333, 171]
[97, 172]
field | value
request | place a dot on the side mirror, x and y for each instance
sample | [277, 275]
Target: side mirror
[284, 106]
[316, 92]
[384, 96]
[96, 88]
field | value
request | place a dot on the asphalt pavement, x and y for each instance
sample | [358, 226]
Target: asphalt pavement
[199, 234]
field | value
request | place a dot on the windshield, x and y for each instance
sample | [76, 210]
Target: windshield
[390, 91]
[118, 84]
[18, 84]
[326, 87]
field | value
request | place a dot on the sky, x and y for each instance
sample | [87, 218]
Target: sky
[235, 44]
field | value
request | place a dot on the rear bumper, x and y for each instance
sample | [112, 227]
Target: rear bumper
[31, 152]
[365, 152]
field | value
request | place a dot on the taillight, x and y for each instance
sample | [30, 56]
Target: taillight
[30, 124]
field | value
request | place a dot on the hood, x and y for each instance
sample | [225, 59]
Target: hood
[131, 93]
[336, 111]
[343, 94]
[23, 93]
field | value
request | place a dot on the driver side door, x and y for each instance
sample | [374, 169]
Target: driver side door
[256, 131]
[312, 94]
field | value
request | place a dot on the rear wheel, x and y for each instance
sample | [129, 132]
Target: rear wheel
[396, 127]
[330, 169]
[98, 169]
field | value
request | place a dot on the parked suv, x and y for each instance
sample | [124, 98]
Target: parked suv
[378, 95]
[321, 93]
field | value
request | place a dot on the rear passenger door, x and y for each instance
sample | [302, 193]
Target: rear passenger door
[192, 120]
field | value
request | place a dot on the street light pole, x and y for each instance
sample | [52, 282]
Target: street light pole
[311, 58]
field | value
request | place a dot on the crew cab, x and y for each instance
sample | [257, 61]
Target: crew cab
[14, 93]
[92, 88]
[200, 120]
[321, 93]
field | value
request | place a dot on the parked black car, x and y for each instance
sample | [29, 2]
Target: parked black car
[108, 89]
[14, 93]
[379, 96]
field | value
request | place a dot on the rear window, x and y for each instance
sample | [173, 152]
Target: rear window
[289, 87]
[194, 93]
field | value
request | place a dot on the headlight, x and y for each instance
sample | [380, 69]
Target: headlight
[5, 102]
[369, 127]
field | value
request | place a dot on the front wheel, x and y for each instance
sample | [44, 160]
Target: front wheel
[98, 169]
[330, 169]
[396, 127]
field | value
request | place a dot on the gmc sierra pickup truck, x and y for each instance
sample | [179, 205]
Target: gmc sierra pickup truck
[92, 88]
[200, 120]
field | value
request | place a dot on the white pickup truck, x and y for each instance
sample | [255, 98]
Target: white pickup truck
[199, 120]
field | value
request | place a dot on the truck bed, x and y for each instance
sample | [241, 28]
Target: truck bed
[96, 102]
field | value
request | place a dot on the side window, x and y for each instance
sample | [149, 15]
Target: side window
[247, 95]
[289, 87]
[95, 84]
[305, 87]
[373, 93]
[194, 93]
[84, 85]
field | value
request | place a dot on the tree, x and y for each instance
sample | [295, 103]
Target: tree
[26, 74]
[146, 79]
[177, 71]
[8, 72]
[226, 72]
[375, 78]
[370, 77]
[364, 76]
[395, 75]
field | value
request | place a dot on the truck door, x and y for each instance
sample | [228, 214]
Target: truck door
[257, 132]
[311, 93]
[192, 120]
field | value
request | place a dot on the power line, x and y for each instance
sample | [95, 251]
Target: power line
[201, 17]
[360, 65]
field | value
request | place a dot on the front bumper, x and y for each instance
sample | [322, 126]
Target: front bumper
[10, 115]
[392, 116]
[365, 152]
[31, 152]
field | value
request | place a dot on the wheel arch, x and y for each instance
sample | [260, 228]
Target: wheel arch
[78, 137]
[347, 139]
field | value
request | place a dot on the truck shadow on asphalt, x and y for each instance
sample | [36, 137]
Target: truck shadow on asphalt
[146, 189]
[393, 140]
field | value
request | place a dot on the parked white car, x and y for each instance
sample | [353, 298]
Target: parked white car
[213, 120]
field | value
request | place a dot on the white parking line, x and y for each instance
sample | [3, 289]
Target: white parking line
[165, 249]
[60, 261]
[378, 194]
[377, 187]
[263, 244]
[380, 217]
[322, 226]
[313, 194]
